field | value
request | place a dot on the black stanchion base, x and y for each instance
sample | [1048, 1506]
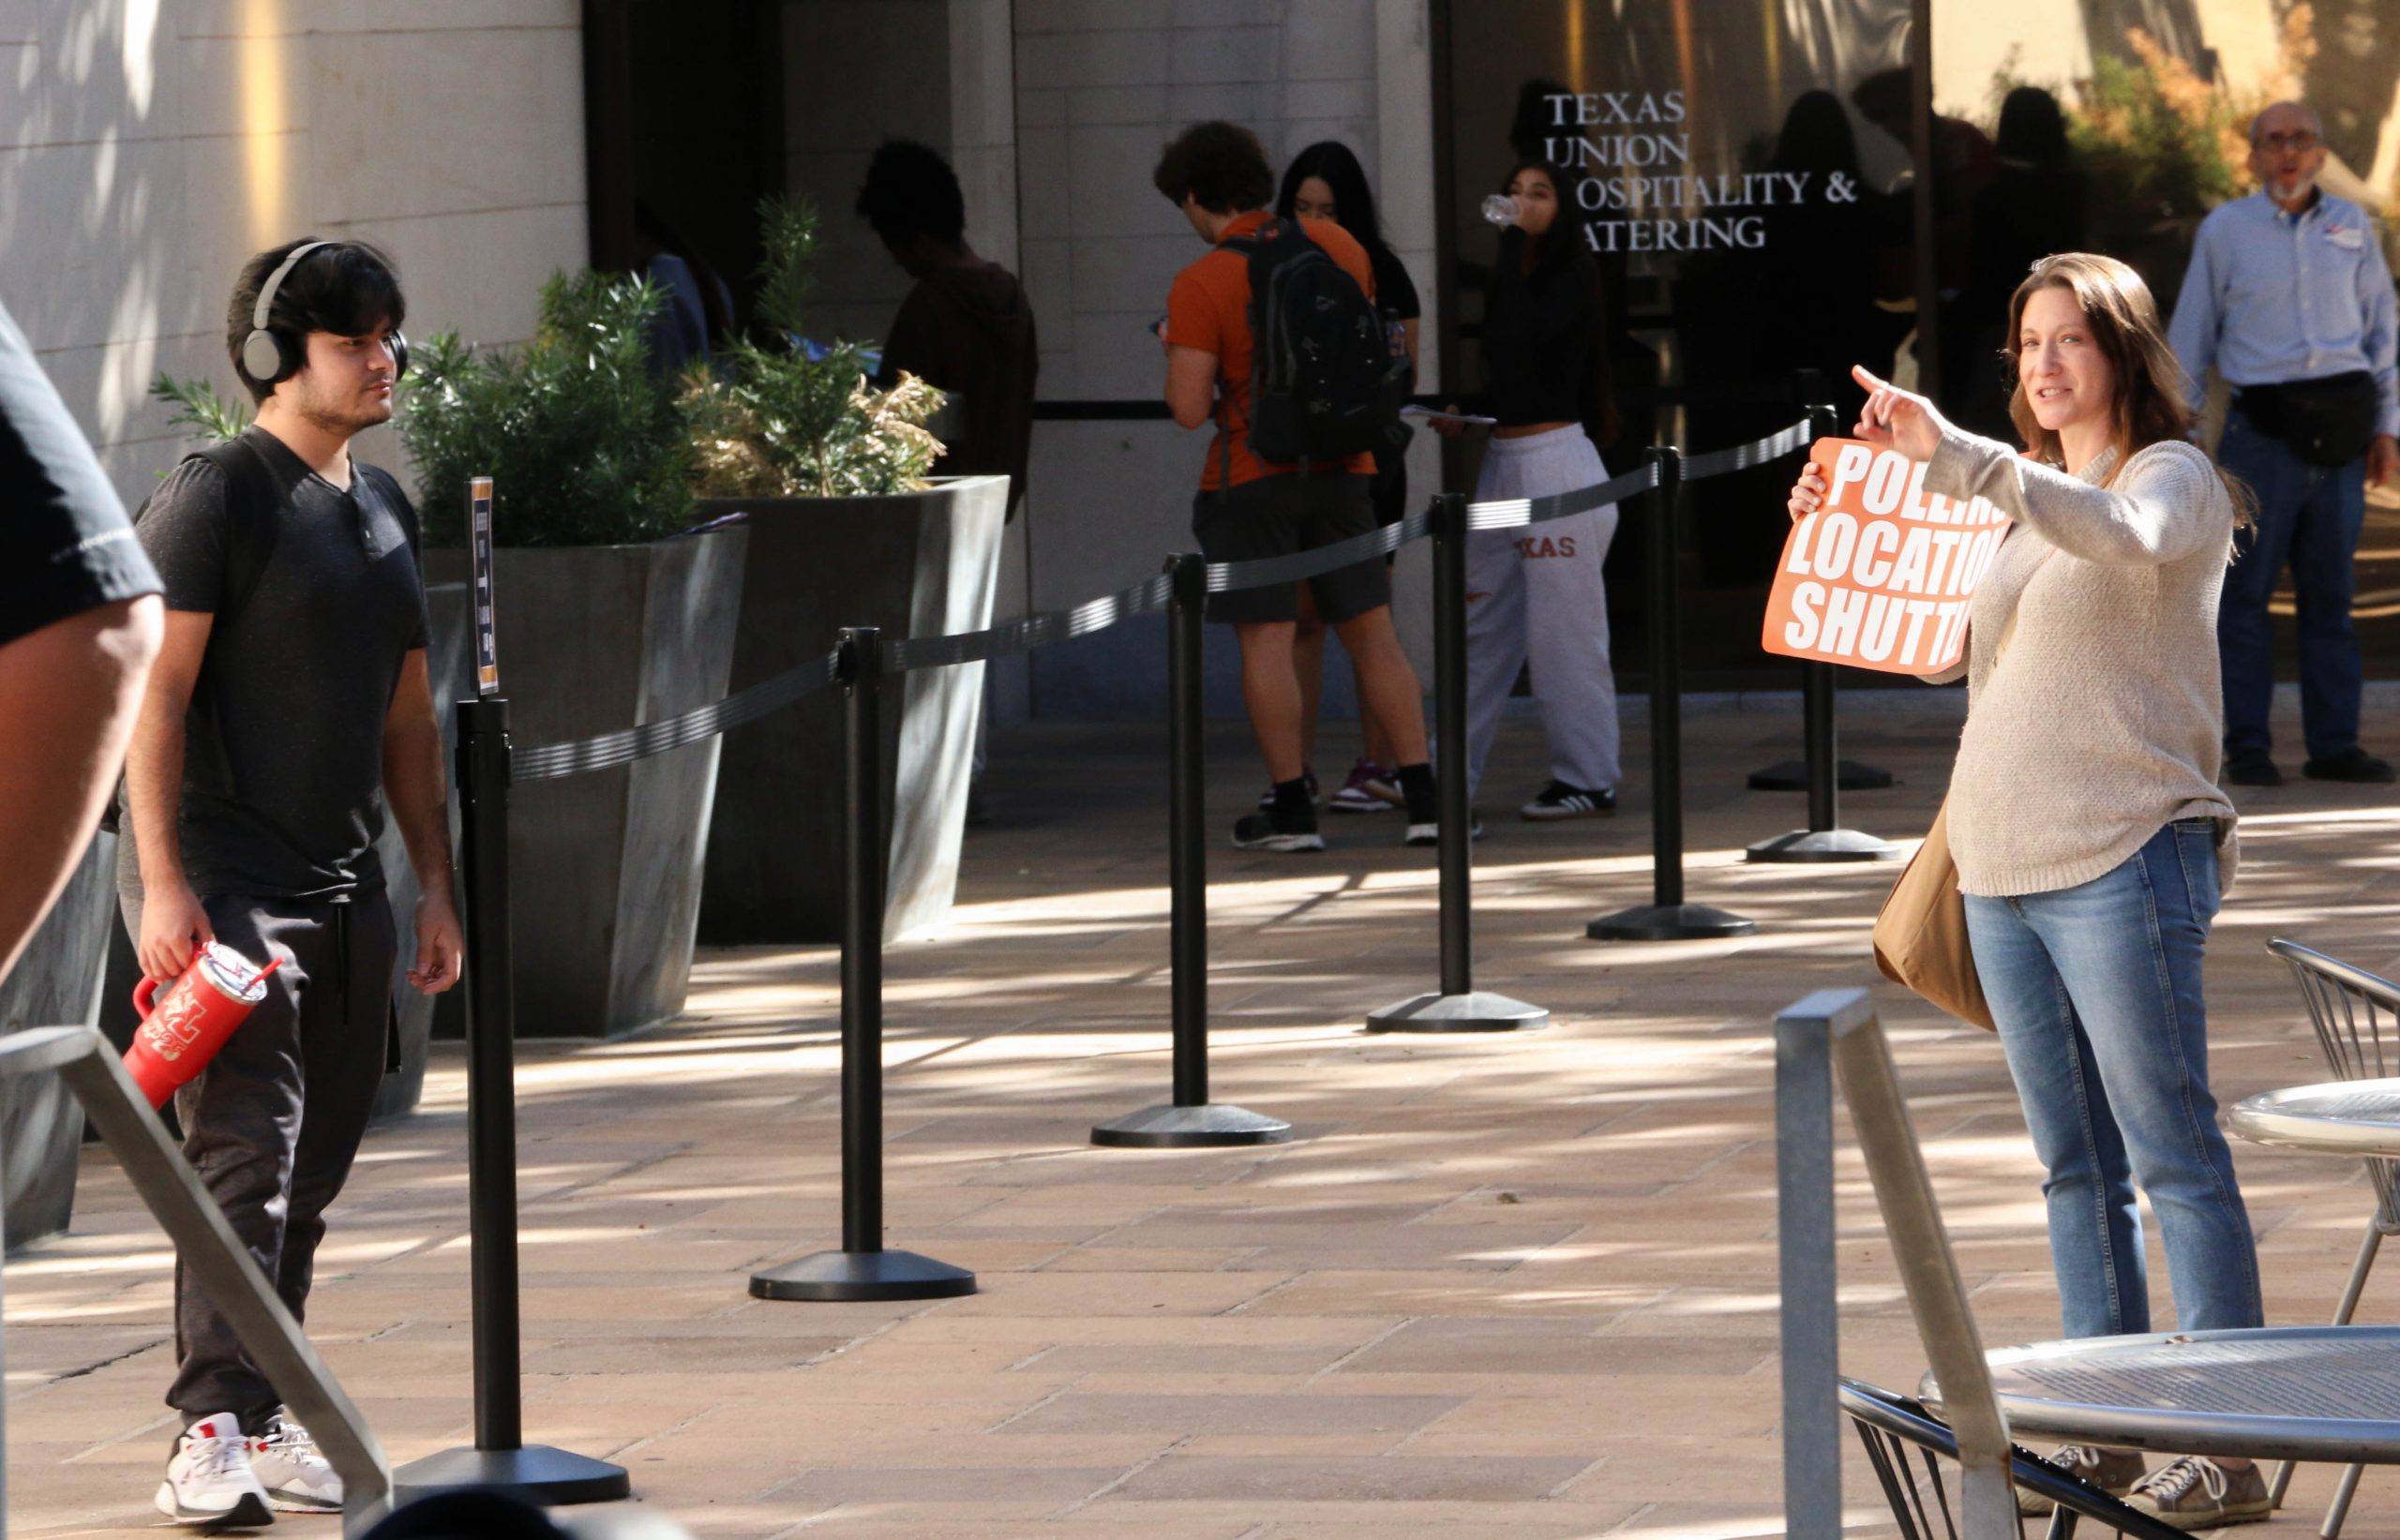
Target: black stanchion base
[863, 1275]
[1823, 845]
[539, 1474]
[1478, 1011]
[1793, 775]
[1211, 1124]
[1670, 922]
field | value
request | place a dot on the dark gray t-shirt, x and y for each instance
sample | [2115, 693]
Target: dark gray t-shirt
[283, 747]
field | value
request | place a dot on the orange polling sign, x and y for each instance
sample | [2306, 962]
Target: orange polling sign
[1879, 577]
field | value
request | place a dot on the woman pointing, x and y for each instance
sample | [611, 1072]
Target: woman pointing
[2085, 818]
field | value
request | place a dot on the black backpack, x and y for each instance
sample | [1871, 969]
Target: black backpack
[251, 498]
[1324, 383]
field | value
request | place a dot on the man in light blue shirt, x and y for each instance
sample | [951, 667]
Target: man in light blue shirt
[2288, 298]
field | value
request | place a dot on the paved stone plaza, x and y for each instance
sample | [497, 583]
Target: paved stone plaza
[1516, 1288]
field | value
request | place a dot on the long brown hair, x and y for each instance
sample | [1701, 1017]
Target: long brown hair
[2116, 305]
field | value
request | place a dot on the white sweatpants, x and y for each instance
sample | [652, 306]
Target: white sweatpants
[1536, 592]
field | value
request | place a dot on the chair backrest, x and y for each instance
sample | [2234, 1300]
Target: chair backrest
[1945, 1322]
[2357, 1017]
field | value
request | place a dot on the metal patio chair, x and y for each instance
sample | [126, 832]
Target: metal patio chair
[1891, 1424]
[2309, 1393]
[2357, 1017]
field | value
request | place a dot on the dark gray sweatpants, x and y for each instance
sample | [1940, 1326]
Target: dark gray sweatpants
[274, 1122]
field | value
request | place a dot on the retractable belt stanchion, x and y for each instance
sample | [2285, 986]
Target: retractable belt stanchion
[1824, 839]
[863, 1269]
[1458, 1006]
[1817, 682]
[1817, 685]
[500, 1457]
[1667, 917]
[1190, 1120]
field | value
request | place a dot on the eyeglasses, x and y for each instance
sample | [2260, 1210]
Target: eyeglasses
[2299, 138]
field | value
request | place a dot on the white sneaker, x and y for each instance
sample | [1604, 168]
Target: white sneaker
[297, 1476]
[209, 1482]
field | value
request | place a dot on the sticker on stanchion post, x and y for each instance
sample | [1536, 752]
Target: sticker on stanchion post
[1880, 576]
[479, 544]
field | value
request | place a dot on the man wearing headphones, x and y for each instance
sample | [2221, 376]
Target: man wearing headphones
[290, 707]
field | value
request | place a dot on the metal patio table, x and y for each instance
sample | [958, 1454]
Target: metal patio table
[2359, 1118]
[2317, 1394]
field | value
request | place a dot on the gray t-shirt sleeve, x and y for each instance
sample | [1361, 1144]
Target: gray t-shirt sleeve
[185, 530]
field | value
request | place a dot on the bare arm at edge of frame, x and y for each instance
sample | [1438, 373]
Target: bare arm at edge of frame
[68, 693]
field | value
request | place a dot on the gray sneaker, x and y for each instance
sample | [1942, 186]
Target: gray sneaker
[2196, 1493]
[2113, 1471]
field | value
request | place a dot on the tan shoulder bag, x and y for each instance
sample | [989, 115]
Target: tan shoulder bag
[1921, 935]
[1921, 932]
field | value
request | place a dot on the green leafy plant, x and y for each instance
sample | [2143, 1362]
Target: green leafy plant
[584, 446]
[2166, 144]
[773, 422]
[2161, 145]
[209, 416]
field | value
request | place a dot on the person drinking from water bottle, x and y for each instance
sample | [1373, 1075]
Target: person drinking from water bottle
[1535, 595]
[288, 707]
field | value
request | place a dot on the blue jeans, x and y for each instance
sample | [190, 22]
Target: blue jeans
[2096, 988]
[2310, 517]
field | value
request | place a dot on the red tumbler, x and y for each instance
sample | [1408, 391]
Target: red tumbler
[203, 1007]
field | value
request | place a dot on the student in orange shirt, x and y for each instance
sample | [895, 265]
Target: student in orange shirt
[1250, 508]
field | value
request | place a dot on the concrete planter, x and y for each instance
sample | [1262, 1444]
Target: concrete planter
[915, 565]
[605, 869]
[55, 984]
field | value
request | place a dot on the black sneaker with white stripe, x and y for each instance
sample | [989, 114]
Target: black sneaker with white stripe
[1271, 830]
[1560, 801]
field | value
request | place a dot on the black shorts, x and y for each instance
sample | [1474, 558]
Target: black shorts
[1280, 516]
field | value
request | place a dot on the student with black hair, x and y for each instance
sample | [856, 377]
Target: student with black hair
[1535, 595]
[967, 327]
[289, 709]
[1325, 181]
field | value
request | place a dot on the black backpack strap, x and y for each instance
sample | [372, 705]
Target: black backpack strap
[252, 496]
[1263, 249]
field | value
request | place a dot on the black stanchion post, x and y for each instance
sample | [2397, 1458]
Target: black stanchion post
[500, 1457]
[863, 1269]
[1817, 678]
[1818, 688]
[1667, 917]
[1458, 1006]
[1190, 1120]
[1824, 839]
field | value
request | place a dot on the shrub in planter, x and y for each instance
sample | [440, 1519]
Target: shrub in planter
[845, 529]
[583, 446]
[795, 420]
[602, 622]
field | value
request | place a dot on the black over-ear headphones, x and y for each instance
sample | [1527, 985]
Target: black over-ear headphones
[269, 356]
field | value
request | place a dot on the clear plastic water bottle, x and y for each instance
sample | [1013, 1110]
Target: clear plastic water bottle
[1500, 209]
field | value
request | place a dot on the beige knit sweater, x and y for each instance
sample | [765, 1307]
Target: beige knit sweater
[2102, 719]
